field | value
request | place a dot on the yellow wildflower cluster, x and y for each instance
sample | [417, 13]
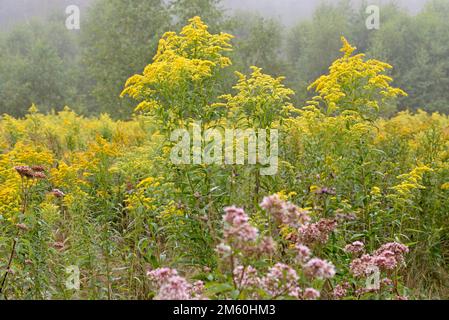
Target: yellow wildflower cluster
[355, 84]
[411, 181]
[261, 100]
[146, 194]
[190, 57]
[10, 182]
[171, 211]
[286, 196]
[70, 147]
[9, 200]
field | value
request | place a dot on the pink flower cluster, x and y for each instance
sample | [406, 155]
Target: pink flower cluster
[161, 275]
[341, 291]
[284, 212]
[362, 266]
[386, 284]
[303, 253]
[33, 172]
[173, 287]
[267, 245]
[281, 280]
[223, 250]
[241, 239]
[311, 294]
[318, 232]
[388, 257]
[240, 234]
[397, 249]
[355, 247]
[319, 269]
[238, 226]
[246, 277]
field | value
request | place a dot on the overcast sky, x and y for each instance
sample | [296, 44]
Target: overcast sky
[288, 11]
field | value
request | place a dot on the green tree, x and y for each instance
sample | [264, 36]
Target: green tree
[37, 65]
[313, 45]
[118, 38]
[209, 10]
[258, 42]
[418, 47]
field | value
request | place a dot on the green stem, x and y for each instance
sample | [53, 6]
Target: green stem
[13, 251]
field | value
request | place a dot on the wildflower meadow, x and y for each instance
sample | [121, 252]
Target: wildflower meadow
[344, 201]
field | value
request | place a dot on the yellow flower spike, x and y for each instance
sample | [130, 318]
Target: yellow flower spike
[375, 191]
[33, 109]
[192, 56]
[411, 181]
[347, 49]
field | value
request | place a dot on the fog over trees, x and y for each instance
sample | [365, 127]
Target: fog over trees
[289, 11]
[43, 62]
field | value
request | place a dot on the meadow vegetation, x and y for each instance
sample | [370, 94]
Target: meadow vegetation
[353, 190]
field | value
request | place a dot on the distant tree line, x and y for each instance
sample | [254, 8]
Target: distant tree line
[42, 62]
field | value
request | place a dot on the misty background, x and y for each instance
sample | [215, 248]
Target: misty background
[44, 63]
[288, 11]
